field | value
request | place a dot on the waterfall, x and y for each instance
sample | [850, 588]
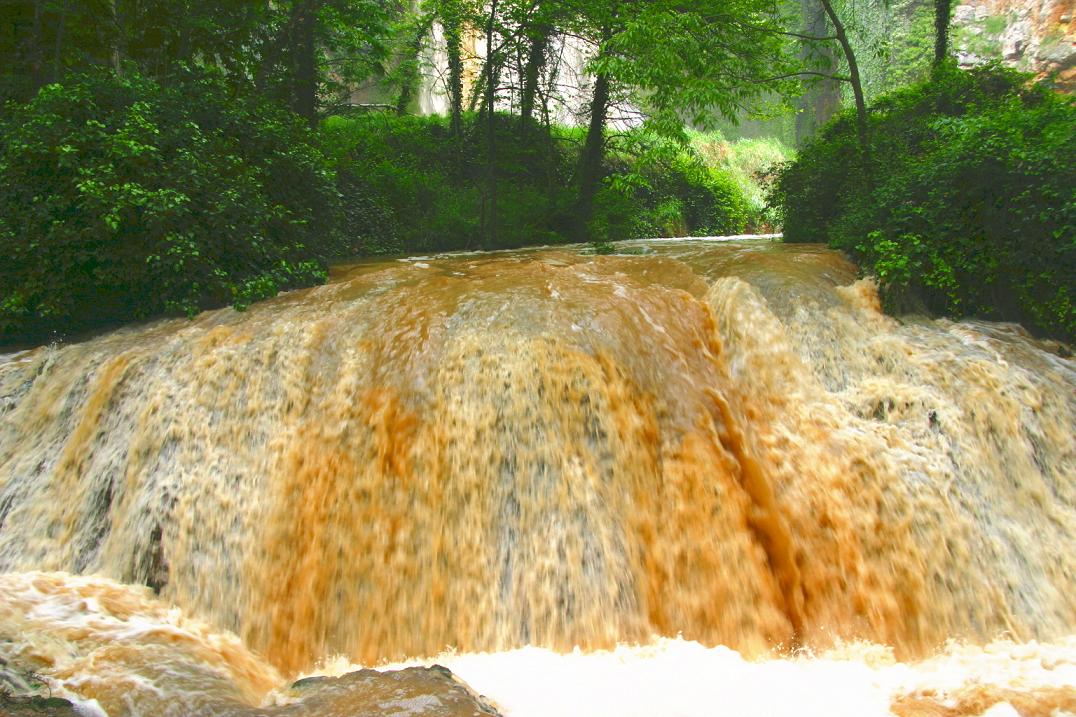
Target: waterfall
[722, 443]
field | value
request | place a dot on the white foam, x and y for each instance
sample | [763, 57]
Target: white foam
[681, 678]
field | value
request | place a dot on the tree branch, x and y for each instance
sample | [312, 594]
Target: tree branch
[808, 37]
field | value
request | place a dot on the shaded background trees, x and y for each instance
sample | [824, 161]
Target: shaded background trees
[566, 119]
[166, 157]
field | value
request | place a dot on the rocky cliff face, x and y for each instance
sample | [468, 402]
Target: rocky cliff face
[1034, 35]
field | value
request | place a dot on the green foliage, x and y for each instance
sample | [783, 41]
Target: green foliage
[995, 24]
[151, 167]
[434, 186]
[125, 199]
[893, 41]
[750, 164]
[657, 187]
[420, 190]
[969, 205]
[349, 45]
[41, 40]
[692, 58]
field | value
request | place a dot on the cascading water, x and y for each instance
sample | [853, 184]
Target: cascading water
[722, 441]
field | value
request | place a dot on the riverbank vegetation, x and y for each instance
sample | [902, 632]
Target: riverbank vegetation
[407, 186]
[160, 160]
[963, 201]
[164, 158]
[126, 198]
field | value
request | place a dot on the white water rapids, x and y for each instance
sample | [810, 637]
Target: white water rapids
[706, 477]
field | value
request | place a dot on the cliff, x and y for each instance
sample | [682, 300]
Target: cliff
[1033, 35]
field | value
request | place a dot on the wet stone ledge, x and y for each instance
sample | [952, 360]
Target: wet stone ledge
[411, 692]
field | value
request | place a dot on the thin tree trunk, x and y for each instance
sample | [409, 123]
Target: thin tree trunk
[410, 75]
[532, 72]
[590, 162]
[305, 79]
[453, 28]
[942, 14]
[853, 75]
[491, 75]
[57, 48]
[477, 92]
[117, 42]
[822, 99]
[491, 145]
[35, 52]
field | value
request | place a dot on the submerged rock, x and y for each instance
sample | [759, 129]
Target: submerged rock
[37, 706]
[401, 693]
[23, 692]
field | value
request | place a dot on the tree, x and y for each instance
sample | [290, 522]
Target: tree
[491, 134]
[451, 14]
[313, 53]
[942, 14]
[538, 45]
[821, 97]
[853, 74]
[304, 69]
[534, 25]
[676, 59]
[41, 41]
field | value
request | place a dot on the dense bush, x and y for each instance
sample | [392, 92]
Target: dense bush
[421, 190]
[966, 201]
[658, 188]
[414, 188]
[748, 162]
[127, 198]
[123, 198]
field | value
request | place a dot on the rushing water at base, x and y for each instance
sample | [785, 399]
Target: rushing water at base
[726, 442]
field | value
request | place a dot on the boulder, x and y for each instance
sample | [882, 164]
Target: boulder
[410, 692]
[36, 706]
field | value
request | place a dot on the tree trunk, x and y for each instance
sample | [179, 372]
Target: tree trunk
[942, 14]
[853, 76]
[272, 53]
[304, 49]
[491, 98]
[117, 41]
[822, 99]
[410, 74]
[453, 28]
[532, 72]
[57, 48]
[590, 162]
[34, 47]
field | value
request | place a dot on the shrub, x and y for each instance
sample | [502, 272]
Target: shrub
[749, 163]
[968, 205]
[656, 187]
[124, 199]
[435, 186]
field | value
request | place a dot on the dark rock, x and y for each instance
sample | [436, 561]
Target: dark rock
[410, 692]
[308, 682]
[37, 706]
